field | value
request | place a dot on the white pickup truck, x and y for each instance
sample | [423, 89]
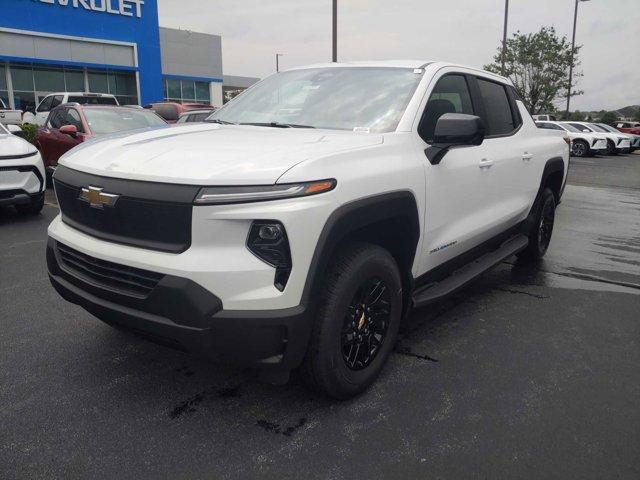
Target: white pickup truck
[300, 225]
[8, 116]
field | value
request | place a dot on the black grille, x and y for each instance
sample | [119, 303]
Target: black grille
[113, 276]
[149, 215]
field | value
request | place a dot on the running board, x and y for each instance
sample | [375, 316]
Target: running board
[459, 278]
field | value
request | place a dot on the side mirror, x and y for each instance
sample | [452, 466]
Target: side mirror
[454, 130]
[585, 130]
[69, 130]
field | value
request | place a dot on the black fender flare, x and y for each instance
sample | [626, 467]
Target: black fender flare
[353, 216]
[553, 165]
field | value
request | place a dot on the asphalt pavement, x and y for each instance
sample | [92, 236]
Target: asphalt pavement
[530, 372]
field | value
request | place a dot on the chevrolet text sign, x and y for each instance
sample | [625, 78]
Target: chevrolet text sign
[128, 8]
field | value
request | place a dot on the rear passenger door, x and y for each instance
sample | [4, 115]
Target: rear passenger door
[507, 148]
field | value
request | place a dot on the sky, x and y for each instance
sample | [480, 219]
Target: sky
[461, 31]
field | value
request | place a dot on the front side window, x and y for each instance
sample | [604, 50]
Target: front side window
[499, 118]
[581, 128]
[570, 128]
[450, 95]
[73, 118]
[597, 128]
[57, 117]
[371, 99]
[45, 105]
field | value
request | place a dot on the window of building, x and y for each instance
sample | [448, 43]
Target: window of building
[186, 91]
[33, 82]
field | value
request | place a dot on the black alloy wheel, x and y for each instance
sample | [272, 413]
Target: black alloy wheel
[365, 324]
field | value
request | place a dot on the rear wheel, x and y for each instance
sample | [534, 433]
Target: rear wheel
[356, 323]
[580, 148]
[32, 208]
[542, 228]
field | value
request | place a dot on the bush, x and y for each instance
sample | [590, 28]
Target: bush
[29, 132]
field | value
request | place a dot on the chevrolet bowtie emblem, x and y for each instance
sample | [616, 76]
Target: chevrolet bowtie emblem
[96, 198]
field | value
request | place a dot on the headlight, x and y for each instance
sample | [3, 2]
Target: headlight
[261, 193]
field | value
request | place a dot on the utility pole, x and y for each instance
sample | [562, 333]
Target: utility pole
[278, 55]
[573, 45]
[335, 30]
[504, 35]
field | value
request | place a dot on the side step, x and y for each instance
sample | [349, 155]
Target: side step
[459, 278]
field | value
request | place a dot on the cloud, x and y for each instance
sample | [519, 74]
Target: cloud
[462, 31]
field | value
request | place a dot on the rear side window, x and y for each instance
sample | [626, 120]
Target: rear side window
[450, 95]
[498, 114]
[57, 100]
[82, 100]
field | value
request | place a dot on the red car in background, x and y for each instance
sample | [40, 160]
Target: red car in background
[628, 127]
[71, 124]
[171, 111]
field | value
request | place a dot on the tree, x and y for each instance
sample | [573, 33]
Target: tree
[538, 65]
[637, 116]
[609, 118]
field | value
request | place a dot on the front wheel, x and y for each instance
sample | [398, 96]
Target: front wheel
[542, 228]
[611, 148]
[580, 148]
[356, 323]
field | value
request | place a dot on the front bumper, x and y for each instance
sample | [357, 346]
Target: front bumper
[21, 179]
[181, 314]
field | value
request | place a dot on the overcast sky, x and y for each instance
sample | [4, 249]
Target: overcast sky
[461, 31]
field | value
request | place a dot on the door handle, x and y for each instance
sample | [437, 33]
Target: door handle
[526, 157]
[485, 163]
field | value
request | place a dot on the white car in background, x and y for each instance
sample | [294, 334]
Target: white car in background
[634, 139]
[616, 142]
[21, 173]
[582, 143]
[51, 101]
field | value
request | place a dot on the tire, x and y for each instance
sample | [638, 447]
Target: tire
[580, 148]
[32, 208]
[345, 355]
[542, 227]
[611, 148]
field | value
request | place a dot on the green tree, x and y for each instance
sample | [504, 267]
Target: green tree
[609, 118]
[637, 115]
[538, 65]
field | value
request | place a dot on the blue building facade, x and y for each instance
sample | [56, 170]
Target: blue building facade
[104, 46]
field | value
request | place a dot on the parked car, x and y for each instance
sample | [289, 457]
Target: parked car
[8, 116]
[70, 124]
[632, 128]
[616, 142]
[634, 139]
[171, 111]
[51, 101]
[307, 217]
[22, 173]
[545, 118]
[582, 143]
[199, 115]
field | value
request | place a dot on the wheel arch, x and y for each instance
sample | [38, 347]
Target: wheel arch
[390, 220]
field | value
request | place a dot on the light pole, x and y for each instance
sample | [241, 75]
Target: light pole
[573, 43]
[334, 25]
[504, 35]
[278, 55]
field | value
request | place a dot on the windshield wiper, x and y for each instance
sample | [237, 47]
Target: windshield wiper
[222, 122]
[276, 125]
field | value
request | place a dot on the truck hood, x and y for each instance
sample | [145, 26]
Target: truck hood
[10, 145]
[210, 154]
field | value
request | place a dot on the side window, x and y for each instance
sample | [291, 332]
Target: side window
[73, 118]
[57, 117]
[450, 95]
[542, 125]
[498, 115]
[45, 105]
[57, 100]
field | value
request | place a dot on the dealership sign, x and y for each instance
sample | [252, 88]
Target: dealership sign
[127, 8]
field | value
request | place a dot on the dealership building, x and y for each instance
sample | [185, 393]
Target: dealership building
[106, 46]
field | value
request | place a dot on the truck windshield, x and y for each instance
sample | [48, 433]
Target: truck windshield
[369, 99]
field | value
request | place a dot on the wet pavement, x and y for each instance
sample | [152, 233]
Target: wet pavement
[532, 371]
